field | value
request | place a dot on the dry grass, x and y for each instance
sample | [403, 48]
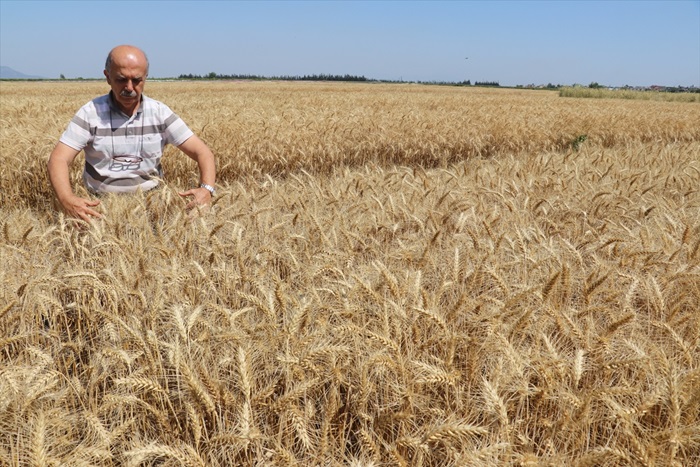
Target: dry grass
[391, 275]
[604, 93]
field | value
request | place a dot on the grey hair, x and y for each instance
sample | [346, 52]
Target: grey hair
[108, 62]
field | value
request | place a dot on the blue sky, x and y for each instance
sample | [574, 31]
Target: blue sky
[511, 42]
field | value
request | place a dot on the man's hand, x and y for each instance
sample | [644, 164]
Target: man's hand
[80, 208]
[200, 153]
[201, 197]
[59, 174]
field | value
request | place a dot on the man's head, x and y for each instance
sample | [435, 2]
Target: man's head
[126, 70]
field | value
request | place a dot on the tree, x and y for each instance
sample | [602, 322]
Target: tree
[63, 76]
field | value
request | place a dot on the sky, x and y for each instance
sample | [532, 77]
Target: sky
[613, 43]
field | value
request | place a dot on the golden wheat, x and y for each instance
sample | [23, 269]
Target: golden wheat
[390, 275]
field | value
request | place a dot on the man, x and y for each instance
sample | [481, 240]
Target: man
[123, 134]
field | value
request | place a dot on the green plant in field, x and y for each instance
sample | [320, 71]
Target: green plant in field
[578, 141]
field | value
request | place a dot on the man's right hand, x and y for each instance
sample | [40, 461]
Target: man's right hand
[59, 175]
[80, 208]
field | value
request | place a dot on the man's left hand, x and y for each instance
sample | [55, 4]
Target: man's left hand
[200, 197]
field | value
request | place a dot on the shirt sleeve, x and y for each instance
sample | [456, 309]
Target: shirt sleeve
[78, 134]
[176, 131]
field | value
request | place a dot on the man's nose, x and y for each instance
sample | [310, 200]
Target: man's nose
[129, 85]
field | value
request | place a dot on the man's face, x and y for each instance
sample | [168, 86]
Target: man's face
[127, 77]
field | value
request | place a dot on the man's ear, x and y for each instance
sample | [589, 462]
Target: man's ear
[106, 76]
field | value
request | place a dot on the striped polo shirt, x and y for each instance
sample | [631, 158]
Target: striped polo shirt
[122, 152]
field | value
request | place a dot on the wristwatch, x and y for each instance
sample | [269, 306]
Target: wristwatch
[209, 188]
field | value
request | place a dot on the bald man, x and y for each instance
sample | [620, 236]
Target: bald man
[123, 134]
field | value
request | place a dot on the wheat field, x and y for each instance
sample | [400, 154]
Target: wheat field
[391, 275]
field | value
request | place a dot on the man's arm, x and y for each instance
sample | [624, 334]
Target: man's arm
[60, 160]
[198, 151]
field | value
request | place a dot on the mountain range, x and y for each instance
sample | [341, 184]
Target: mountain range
[8, 73]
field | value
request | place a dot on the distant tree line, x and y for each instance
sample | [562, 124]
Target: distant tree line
[487, 83]
[347, 77]
[317, 77]
[325, 77]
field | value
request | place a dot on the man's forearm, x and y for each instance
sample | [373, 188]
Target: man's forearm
[58, 167]
[59, 176]
[207, 168]
[198, 151]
